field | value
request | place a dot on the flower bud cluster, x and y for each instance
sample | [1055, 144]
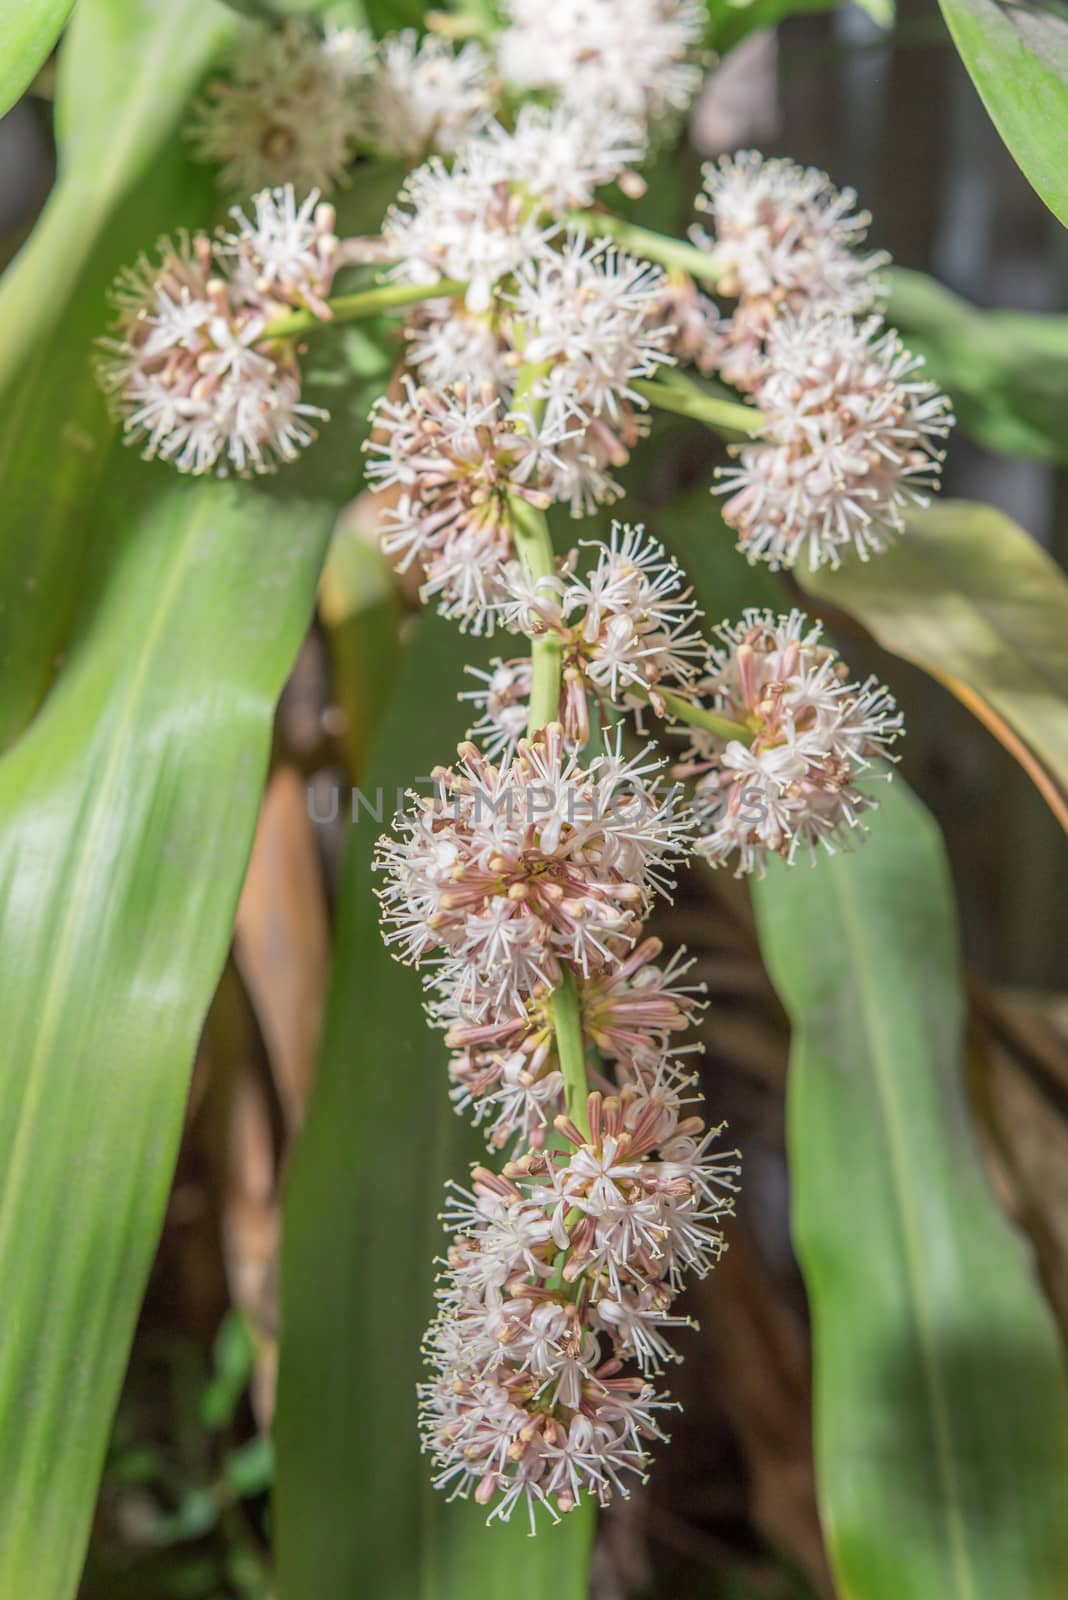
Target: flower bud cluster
[814, 736]
[511, 873]
[458, 461]
[298, 106]
[635, 57]
[849, 443]
[625, 628]
[190, 367]
[505, 1069]
[556, 1300]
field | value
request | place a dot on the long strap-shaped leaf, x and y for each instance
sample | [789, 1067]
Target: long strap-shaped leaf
[1017, 55]
[941, 1408]
[127, 70]
[126, 817]
[353, 1502]
[966, 594]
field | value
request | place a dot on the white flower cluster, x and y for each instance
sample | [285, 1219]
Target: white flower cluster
[634, 57]
[419, 95]
[285, 112]
[457, 462]
[849, 442]
[784, 238]
[510, 871]
[560, 1272]
[505, 1070]
[627, 625]
[189, 368]
[814, 734]
[298, 106]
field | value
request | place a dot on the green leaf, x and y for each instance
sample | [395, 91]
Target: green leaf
[730, 21]
[28, 30]
[1017, 55]
[126, 817]
[127, 68]
[970, 597]
[353, 1495]
[941, 1413]
[1005, 371]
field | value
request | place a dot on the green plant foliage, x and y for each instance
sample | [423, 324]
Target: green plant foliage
[126, 817]
[353, 1496]
[730, 21]
[28, 30]
[1017, 56]
[1005, 371]
[940, 1401]
[969, 596]
[125, 178]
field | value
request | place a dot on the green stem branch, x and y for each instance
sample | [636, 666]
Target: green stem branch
[687, 400]
[535, 550]
[652, 246]
[681, 710]
[566, 1012]
[366, 303]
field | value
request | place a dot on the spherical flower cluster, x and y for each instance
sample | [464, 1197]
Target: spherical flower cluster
[512, 872]
[466, 222]
[848, 443]
[506, 1071]
[189, 369]
[560, 1272]
[561, 155]
[287, 112]
[629, 56]
[626, 629]
[458, 460]
[813, 735]
[592, 320]
[419, 95]
[784, 239]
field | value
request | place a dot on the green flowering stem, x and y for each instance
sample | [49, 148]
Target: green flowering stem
[366, 303]
[688, 400]
[681, 710]
[535, 549]
[644, 242]
[565, 1011]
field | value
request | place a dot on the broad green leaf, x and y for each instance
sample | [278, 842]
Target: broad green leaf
[126, 816]
[353, 1495]
[1017, 55]
[28, 30]
[941, 1412]
[967, 595]
[127, 68]
[1006, 372]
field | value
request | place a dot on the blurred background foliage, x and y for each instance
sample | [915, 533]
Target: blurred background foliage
[873, 1344]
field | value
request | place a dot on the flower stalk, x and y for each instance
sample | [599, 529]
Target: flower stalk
[566, 1013]
[649, 245]
[687, 400]
[364, 303]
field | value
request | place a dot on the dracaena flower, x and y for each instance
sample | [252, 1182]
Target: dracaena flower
[458, 460]
[626, 630]
[286, 111]
[784, 238]
[467, 222]
[189, 369]
[849, 442]
[530, 1401]
[510, 873]
[815, 738]
[505, 1069]
[635, 57]
[419, 95]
